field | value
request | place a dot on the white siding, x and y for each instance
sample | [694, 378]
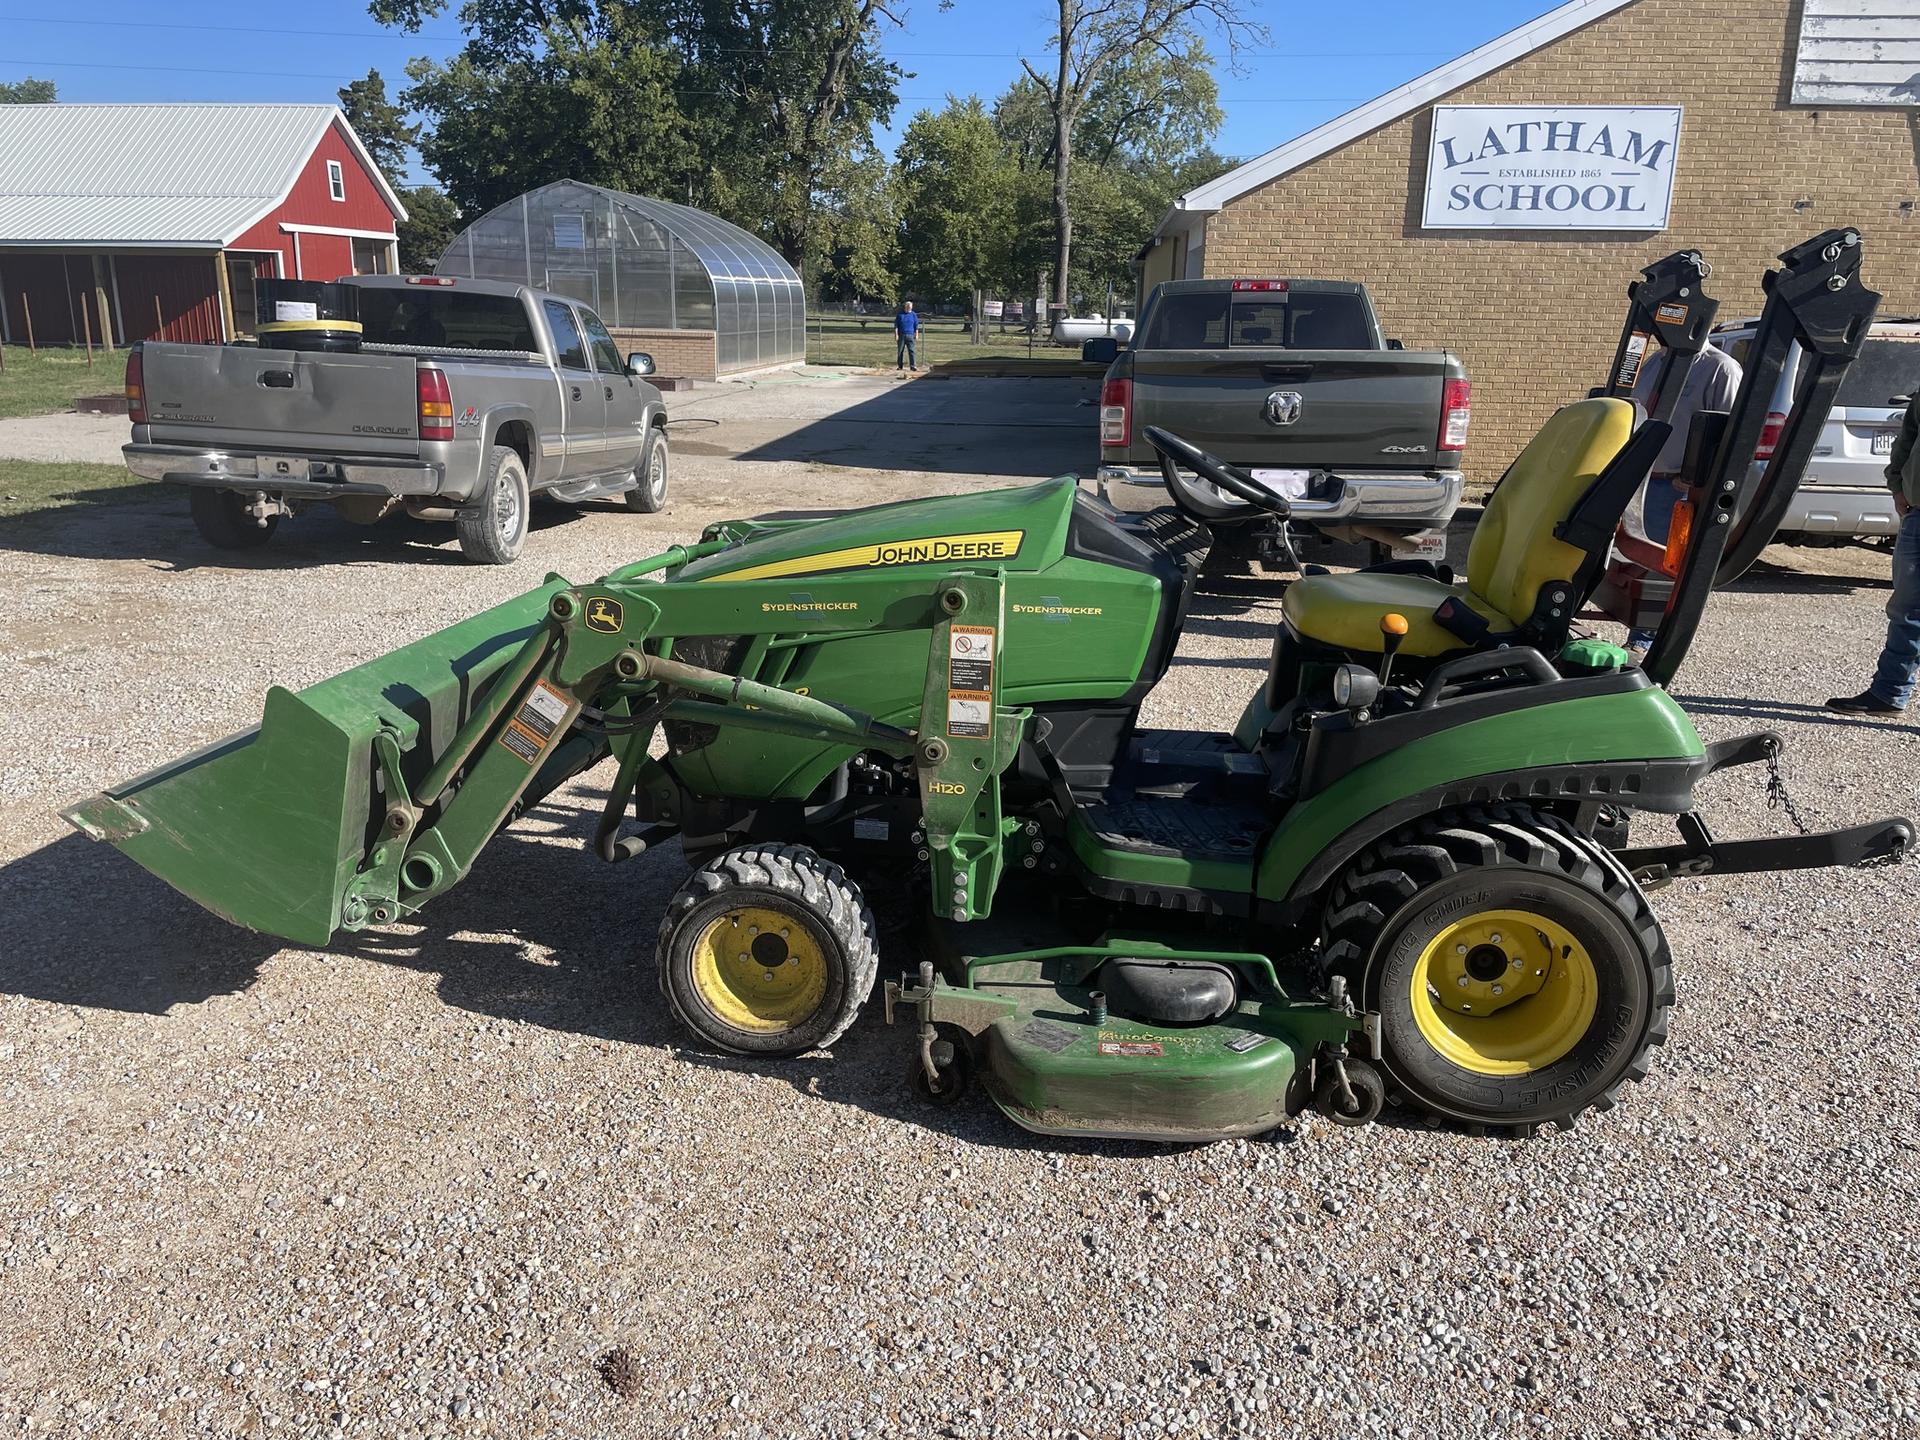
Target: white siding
[1858, 52]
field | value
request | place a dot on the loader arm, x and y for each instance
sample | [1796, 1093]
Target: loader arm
[568, 677]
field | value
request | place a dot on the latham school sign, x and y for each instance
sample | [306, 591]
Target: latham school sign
[1551, 167]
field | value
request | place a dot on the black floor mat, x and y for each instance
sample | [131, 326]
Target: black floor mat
[1177, 827]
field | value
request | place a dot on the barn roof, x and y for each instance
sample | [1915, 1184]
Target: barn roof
[155, 175]
[1403, 100]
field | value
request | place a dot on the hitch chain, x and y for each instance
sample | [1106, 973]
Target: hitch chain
[1777, 796]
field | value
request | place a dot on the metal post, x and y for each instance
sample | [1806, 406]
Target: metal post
[27, 310]
[159, 321]
[86, 330]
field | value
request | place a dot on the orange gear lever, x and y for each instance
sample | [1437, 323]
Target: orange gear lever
[1393, 631]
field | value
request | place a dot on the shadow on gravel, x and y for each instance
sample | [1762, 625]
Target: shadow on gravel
[150, 523]
[1766, 578]
[1786, 710]
[83, 925]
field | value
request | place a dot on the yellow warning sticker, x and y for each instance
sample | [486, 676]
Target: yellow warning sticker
[929, 550]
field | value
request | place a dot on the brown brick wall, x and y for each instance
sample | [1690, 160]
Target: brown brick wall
[683, 354]
[1535, 315]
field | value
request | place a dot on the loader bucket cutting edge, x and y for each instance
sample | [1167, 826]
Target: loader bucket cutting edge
[268, 827]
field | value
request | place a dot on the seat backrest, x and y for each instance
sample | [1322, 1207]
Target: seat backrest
[1514, 549]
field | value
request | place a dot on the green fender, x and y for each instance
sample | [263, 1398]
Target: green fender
[1644, 725]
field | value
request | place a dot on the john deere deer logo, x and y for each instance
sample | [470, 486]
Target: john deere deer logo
[604, 615]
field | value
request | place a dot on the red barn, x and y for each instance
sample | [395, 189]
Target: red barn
[144, 222]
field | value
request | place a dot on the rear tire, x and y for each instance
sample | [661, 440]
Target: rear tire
[493, 528]
[649, 493]
[223, 522]
[768, 950]
[1519, 975]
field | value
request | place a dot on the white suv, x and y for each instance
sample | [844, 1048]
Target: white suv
[1843, 494]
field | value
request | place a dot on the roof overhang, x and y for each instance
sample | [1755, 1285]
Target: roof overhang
[1396, 104]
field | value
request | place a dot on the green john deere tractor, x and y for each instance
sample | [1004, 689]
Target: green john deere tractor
[1407, 871]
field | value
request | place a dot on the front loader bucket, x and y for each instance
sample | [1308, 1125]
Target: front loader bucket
[266, 829]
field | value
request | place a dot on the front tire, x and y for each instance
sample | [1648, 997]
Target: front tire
[223, 522]
[768, 950]
[649, 493]
[1519, 975]
[493, 529]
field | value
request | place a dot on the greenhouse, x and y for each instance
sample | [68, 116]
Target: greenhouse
[704, 297]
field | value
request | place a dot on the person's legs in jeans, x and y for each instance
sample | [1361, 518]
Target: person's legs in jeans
[1893, 677]
[913, 346]
[900, 347]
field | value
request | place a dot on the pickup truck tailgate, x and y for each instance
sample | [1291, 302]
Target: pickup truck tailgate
[1377, 408]
[251, 398]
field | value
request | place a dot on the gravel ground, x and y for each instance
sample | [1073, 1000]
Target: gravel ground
[462, 1178]
[93, 438]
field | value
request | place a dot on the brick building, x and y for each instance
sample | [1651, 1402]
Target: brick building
[1794, 115]
[152, 222]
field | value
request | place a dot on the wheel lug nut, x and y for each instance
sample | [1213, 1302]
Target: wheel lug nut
[1499, 990]
[1459, 949]
[1494, 939]
[1462, 982]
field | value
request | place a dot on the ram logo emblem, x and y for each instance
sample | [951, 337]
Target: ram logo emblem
[1283, 407]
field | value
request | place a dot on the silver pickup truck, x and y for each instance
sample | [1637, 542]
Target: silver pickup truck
[465, 399]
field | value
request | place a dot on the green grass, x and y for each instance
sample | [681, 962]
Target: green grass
[43, 383]
[30, 485]
[841, 340]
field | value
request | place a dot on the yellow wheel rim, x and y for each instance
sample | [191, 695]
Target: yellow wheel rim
[1504, 992]
[758, 970]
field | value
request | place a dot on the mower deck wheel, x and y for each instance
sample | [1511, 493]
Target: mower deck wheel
[767, 950]
[1369, 1095]
[954, 1062]
[1518, 973]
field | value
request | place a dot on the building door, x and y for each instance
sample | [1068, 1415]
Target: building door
[241, 274]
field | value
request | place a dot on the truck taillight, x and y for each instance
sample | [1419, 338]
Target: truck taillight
[436, 406]
[428, 280]
[1456, 413]
[1279, 285]
[1770, 435]
[136, 387]
[1116, 412]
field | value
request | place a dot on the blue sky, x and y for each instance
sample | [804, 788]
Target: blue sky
[1322, 59]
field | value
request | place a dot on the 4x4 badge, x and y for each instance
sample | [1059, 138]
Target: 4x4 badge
[603, 615]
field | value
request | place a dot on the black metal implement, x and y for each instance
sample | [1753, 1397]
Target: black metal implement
[1818, 303]
[1667, 305]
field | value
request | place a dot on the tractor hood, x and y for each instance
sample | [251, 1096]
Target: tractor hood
[1018, 530]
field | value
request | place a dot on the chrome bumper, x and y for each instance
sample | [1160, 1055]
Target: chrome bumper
[1834, 510]
[1416, 502]
[300, 475]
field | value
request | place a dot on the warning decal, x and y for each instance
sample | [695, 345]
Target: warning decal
[1630, 361]
[970, 682]
[543, 711]
[1671, 313]
[1131, 1047]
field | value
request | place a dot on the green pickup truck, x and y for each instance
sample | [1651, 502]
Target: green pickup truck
[1292, 381]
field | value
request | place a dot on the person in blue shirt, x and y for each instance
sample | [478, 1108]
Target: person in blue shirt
[906, 329]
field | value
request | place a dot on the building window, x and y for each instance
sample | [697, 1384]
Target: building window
[336, 180]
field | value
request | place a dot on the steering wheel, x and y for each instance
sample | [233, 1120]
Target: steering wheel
[1194, 502]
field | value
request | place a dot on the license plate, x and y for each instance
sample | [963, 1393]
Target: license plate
[1883, 442]
[280, 467]
[1429, 545]
[1290, 483]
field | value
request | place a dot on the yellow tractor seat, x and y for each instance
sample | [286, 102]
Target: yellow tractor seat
[1518, 566]
[1343, 611]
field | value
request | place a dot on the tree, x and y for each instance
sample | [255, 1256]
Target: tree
[432, 222]
[856, 234]
[381, 125]
[587, 103]
[1092, 37]
[955, 182]
[768, 102]
[26, 92]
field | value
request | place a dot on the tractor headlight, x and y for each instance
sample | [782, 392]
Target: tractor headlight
[1355, 687]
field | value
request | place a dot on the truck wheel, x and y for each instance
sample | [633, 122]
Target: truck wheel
[221, 518]
[1519, 976]
[493, 529]
[768, 950]
[649, 493]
